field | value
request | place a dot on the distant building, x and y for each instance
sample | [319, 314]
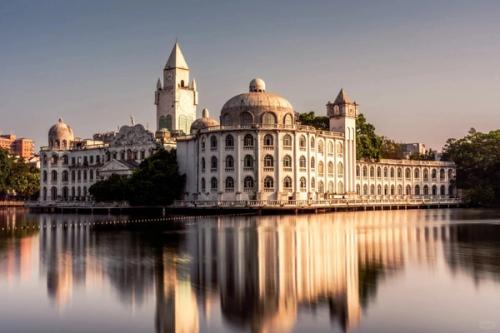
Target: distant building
[22, 147]
[409, 149]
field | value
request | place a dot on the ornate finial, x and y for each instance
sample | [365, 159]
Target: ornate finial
[132, 120]
[60, 119]
[204, 113]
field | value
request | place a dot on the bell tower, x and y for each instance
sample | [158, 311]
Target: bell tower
[177, 98]
[342, 113]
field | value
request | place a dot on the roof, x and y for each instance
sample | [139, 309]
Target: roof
[342, 98]
[176, 58]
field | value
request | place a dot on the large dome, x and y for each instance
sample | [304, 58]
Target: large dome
[60, 136]
[257, 107]
[204, 122]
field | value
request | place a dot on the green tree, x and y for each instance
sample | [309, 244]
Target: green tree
[310, 119]
[368, 143]
[477, 157]
[115, 188]
[18, 179]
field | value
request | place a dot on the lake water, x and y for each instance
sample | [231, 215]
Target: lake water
[383, 271]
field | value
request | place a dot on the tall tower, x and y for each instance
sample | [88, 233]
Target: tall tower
[342, 113]
[176, 100]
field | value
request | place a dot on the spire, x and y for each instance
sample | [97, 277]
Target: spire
[342, 98]
[193, 84]
[176, 58]
[158, 84]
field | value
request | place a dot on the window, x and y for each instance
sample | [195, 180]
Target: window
[321, 168]
[417, 189]
[248, 183]
[393, 192]
[379, 189]
[288, 120]
[287, 183]
[330, 187]
[441, 174]
[213, 163]
[312, 142]
[246, 119]
[268, 161]
[379, 172]
[287, 162]
[54, 175]
[203, 164]
[372, 189]
[248, 141]
[91, 174]
[385, 172]
[365, 189]
[372, 172]
[400, 173]
[248, 161]
[268, 118]
[229, 141]
[331, 169]
[407, 173]
[302, 142]
[416, 173]
[321, 187]
[287, 141]
[213, 142]
[340, 148]
[65, 176]
[320, 147]
[313, 163]
[44, 177]
[303, 184]
[434, 190]
[450, 175]
[340, 169]
[213, 184]
[268, 183]
[340, 187]
[268, 140]
[229, 184]
[426, 174]
[313, 183]
[203, 143]
[386, 190]
[365, 171]
[229, 162]
[442, 190]
[408, 190]
[302, 162]
[426, 190]
[434, 173]
[392, 172]
[203, 185]
[330, 147]
[65, 159]
[357, 170]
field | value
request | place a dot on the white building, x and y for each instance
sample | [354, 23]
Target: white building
[261, 152]
[69, 166]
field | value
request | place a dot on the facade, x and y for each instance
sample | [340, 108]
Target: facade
[22, 147]
[259, 151]
[69, 166]
[177, 97]
[409, 149]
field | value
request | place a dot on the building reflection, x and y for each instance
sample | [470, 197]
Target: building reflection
[259, 273]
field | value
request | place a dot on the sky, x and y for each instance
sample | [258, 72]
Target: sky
[422, 71]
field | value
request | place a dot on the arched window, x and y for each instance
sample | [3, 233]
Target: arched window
[248, 140]
[321, 187]
[372, 172]
[213, 184]
[213, 142]
[268, 182]
[441, 174]
[340, 148]
[365, 189]
[392, 172]
[386, 173]
[246, 118]
[65, 160]
[313, 183]
[321, 147]
[268, 140]
[400, 189]
[302, 142]
[213, 163]
[358, 173]
[248, 161]
[268, 161]
[331, 169]
[434, 173]
[229, 162]
[303, 184]
[53, 193]
[379, 172]
[287, 141]
[44, 176]
[203, 143]
[203, 185]
[442, 190]
[226, 119]
[65, 176]
[426, 190]
[229, 184]
[312, 142]
[400, 173]
[330, 147]
[229, 141]
[386, 190]
[426, 174]
[416, 173]
[54, 176]
[340, 169]
[182, 83]
[379, 189]
[330, 187]
[302, 162]
[450, 174]
[268, 118]
[248, 183]
[313, 163]
[358, 189]
[365, 171]
[65, 193]
[321, 168]
[287, 161]
[288, 120]
[407, 173]
[340, 187]
[417, 189]
[287, 183]
[434, 190]
[203, 164]
[450, 191]
[408, 190]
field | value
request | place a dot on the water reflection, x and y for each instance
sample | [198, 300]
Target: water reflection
[256, 273]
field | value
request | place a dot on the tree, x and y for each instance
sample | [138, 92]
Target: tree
[477, 157]
[156, 182]
[368, 143]
[310, 119]
[18, 179]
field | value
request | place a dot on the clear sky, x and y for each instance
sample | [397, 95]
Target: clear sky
[421, 70]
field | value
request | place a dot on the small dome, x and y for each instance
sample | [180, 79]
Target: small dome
[257, 107]
[204, 122]
[60, 136]
[257, 85]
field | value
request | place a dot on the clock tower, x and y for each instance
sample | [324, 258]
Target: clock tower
[177, 98]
